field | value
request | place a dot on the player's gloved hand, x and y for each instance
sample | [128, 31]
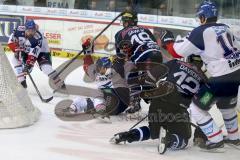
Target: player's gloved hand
[166, 37]
[88, 46]
[29, 63]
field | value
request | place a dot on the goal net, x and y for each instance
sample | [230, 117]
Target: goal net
[16, 108]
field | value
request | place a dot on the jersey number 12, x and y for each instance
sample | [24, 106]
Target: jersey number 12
[185, 80]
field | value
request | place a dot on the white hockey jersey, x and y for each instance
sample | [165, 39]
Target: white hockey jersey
[33, 46]
[111, 79]
[215, 44]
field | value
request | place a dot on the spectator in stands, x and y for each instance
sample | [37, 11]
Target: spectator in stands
[111, 6]
[92, 5]
[81, 4]
[162, 10]
[40, 3]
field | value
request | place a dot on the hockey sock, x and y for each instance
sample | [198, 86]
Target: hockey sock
[177, 142]
[231, 122]
[206, 123]
[139, 134]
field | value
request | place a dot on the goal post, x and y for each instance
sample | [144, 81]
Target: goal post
[16, 108]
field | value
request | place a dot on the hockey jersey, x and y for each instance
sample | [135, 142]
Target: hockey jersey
[184, 76]
[113, 78]
[32, 46]
[215, 44]
[142, 40]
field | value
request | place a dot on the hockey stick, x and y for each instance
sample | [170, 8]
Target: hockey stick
[139, 122]
[74, 58]
[36, 88]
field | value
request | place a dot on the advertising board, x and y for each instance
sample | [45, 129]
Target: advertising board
[7, 24]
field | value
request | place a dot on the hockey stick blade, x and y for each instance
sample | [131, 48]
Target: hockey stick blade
[47, 99]
[38, 92]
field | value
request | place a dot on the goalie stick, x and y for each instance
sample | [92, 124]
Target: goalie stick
[74, 58]
[45, 100]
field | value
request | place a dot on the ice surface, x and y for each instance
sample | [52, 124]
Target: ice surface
[52, 139]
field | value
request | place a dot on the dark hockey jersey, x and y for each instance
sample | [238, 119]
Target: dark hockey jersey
[142, 41]
[185, 76]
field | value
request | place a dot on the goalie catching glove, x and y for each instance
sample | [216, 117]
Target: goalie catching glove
[87, 46]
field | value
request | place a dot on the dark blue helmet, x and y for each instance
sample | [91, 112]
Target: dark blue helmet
[30, 24]
[104, 62]
[207, 10]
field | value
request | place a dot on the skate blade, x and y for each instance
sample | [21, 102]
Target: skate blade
[162, 146]
[214, 150]
[233, 146]
[113, 140]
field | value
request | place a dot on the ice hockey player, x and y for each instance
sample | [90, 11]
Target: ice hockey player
[29, 46]
[112, 97]
[219, 51]
[135, 43]
[168, 116]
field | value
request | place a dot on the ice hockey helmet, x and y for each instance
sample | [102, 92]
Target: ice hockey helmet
[130, 17]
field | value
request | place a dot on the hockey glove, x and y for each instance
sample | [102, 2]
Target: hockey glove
[88, 46]
[166, 38]
[29, 63]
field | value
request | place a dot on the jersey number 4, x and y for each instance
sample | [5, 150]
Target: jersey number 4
[226, 43]
[184, 82]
